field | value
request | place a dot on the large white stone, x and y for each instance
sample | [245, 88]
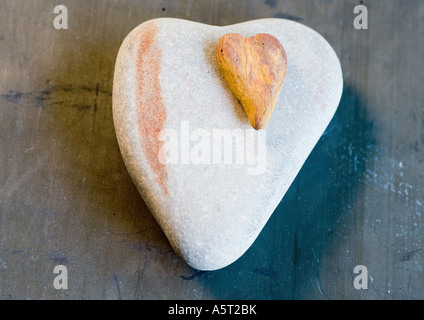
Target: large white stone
[166, 77]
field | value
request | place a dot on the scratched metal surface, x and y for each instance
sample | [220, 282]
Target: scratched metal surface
[66, 197]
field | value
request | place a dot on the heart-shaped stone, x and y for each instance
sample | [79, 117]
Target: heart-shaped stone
[210, 179]
[255, 69]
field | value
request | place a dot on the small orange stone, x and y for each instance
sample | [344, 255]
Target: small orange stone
[255, 69]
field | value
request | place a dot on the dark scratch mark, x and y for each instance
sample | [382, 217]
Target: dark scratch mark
[46, 92]
[39, 97]
[143, 247]
[81, 107]
[413, 116]
[136, 246]
[194, 275]
[12, 96]
[296, 251]
[268, 272]
[91, 89]
[42, 96]
[415, 146]
[40, 101]
[282, 15]
[58, 103]
[44, 240]
[409, 255]
[18, 251]
[97, 95]
[65, 88]
[132, 218]
[58, 257]
[117, 286]
[271, 3]
[140, 276]
[137, 288]
[73, 89]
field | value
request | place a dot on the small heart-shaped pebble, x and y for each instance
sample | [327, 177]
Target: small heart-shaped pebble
[255, 69]
[221, 179]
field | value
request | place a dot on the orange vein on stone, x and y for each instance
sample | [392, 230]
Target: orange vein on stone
[151, 111]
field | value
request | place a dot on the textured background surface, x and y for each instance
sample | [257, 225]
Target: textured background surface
[66, 197]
